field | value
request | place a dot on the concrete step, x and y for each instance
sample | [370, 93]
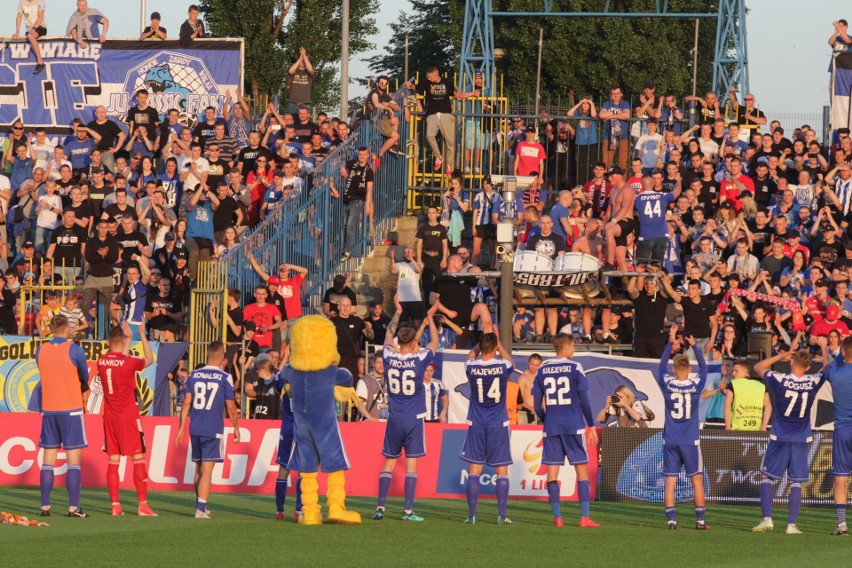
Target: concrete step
[408, 223]
[376, 264]
[407, 238]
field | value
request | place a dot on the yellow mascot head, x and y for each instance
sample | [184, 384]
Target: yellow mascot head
[313, 344]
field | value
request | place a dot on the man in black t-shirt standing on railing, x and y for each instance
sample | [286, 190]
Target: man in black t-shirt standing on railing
[357, 198]
[439, 113]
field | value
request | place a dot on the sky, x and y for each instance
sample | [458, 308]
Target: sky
[787, 42]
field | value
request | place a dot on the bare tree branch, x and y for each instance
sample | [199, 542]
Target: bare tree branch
[286, 6]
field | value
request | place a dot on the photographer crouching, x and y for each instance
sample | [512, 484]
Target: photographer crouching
[628, 412]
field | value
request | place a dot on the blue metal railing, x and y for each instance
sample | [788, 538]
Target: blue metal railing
[308, 230]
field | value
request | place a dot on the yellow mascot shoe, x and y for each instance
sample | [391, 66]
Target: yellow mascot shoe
[336, 498]
[311, 511]
[343, 517]
[311, 517]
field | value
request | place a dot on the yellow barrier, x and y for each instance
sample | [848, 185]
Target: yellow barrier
[211, 285]
[475, 138]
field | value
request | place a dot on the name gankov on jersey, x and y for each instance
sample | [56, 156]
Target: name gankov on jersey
[487, 371]
[800, 384]
[111, 362]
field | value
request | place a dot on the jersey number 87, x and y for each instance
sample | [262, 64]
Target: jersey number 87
[204, 395]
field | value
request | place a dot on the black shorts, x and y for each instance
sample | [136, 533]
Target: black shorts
[487, 232]
[463, 318]
[627, 225]
[412, 311]
[40, 31]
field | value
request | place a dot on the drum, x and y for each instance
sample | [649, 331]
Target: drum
[576, 262]
[591, 288]
[531, 261]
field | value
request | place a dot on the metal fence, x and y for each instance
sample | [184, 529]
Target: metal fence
[308, 229]
[484, 142]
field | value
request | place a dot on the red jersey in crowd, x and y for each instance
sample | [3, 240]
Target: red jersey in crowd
[291, 290]
[529, 156]
[731, 191]
[599, 193]
[816, 308]
[263, 317]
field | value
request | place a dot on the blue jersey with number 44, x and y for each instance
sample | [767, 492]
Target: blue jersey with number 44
[682, 398]
[651, 209]
[794, 397]
[488, 380]
[209, 387]
[561, 384]
[404, 373]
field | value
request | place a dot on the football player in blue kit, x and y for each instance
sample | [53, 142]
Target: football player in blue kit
[404, 430]
[561, 394]
[488, 368]
[209, 393]
[787, 451]
[682, 393]
[839, 374]
[267, 371]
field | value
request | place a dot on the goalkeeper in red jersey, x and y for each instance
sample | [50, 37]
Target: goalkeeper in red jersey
[122, 425]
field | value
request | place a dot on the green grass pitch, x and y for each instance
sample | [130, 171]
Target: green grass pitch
[242, 532]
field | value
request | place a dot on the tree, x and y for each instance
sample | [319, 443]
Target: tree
[590, 55]
[434, 30]
[583, 55]
[260, 23]
[316, 26]
[274, 30]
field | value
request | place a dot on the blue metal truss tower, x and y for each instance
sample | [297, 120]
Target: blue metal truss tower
[730, 62]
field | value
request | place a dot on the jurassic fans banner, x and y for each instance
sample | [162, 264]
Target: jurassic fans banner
[19, 373]
[77, 80]
[632, 467]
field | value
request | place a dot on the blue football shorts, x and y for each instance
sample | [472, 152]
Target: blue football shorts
[677, 456]
[487, 445]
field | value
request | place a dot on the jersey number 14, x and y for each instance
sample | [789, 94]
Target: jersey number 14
[493, 392]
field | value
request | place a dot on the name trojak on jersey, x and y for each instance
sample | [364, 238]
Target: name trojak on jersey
[401, 363]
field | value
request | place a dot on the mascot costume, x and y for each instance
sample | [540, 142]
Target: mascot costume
[315, 382]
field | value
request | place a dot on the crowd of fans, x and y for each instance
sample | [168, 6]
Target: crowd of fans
[113, 220]
[753, 234]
